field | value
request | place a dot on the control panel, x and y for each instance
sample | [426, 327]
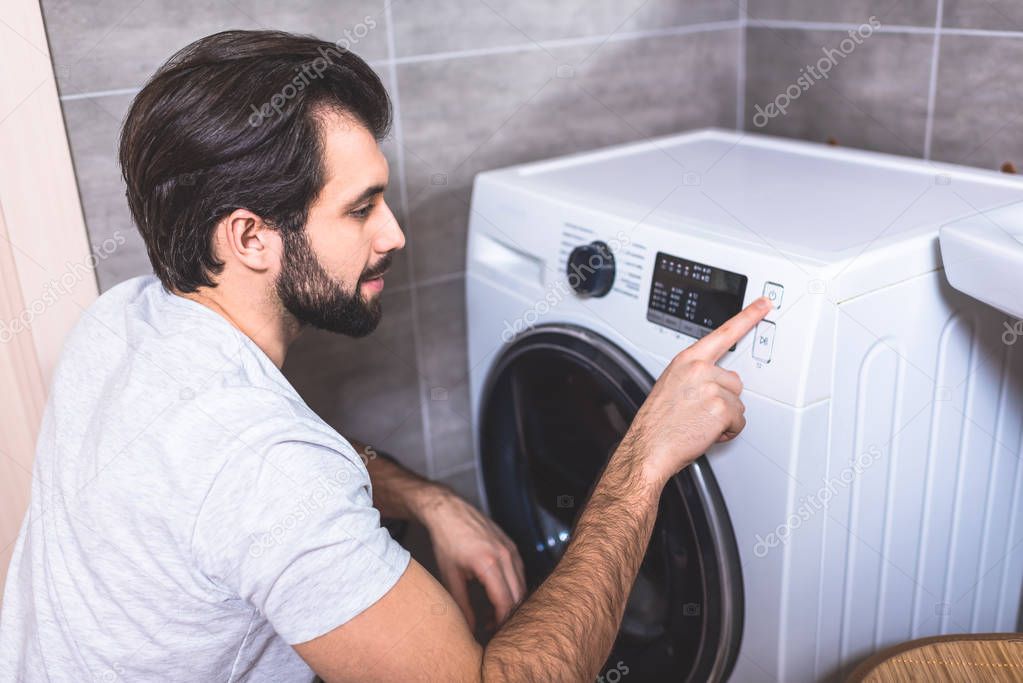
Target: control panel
[693, 298]
[696, 298]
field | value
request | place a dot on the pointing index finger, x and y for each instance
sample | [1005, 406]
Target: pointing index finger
[714, 345]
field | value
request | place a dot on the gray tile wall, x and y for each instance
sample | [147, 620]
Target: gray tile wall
[478, 84]
[936, 81]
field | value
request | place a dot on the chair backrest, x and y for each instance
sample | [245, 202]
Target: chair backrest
[969, 658]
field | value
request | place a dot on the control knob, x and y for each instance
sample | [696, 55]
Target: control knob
[591, 269]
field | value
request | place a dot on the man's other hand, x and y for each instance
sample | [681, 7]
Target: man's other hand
[469, 545]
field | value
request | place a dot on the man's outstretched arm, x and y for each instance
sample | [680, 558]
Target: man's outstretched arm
[565, 630]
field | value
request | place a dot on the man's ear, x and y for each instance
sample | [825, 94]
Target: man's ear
[244, 237]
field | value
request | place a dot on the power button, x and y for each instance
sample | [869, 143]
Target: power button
[763, 341]
[774, 292]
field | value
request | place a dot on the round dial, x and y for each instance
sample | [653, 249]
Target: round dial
[591, 269]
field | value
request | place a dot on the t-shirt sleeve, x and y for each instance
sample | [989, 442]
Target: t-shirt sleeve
[291, 529]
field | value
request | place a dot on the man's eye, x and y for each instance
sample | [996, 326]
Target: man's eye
[362, 211]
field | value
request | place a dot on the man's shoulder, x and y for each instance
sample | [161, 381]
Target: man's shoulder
[266, 413]
[139, 338]
[112, 303]
[143, 352]
[106, 315]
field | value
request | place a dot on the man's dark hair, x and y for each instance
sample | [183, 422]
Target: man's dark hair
[233, 121]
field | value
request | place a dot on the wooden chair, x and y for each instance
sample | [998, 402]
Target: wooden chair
[976, 658]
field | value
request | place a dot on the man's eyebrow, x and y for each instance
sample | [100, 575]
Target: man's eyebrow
[369, 192]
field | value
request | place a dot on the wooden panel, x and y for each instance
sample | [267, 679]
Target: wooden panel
[21, 385]
[993, 657]
[45, 225]
[46, 270]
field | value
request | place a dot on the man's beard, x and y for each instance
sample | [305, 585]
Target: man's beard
[310, 294]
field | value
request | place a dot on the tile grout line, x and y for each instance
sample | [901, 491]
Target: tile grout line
[932, 86]
[99, 93]
[392, 59]
[885, 28]
[553, 44]
[707, 27]
[417, 337]
[980, 32]
[796, 24]
[740, 70]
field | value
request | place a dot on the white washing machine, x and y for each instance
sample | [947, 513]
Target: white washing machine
[875, 493]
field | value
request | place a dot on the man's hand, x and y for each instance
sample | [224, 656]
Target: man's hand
[694, 403]
[468, 545]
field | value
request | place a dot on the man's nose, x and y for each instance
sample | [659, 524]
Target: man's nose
[391, 236]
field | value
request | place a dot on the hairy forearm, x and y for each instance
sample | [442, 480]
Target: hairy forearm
[565, 630]
[398, 493]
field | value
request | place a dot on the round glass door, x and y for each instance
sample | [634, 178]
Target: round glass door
[558, 402]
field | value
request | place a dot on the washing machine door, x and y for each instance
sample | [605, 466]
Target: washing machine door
[557, 403]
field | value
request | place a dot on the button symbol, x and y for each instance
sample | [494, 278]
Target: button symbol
[763, 341]
[774, 292]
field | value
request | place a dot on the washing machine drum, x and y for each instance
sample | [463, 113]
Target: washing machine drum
[557, 403]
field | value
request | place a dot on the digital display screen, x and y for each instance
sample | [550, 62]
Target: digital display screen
[693, 298]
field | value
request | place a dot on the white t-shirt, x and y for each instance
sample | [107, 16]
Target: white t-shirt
[191, 517]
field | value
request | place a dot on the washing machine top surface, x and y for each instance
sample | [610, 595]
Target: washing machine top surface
[817, 203]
